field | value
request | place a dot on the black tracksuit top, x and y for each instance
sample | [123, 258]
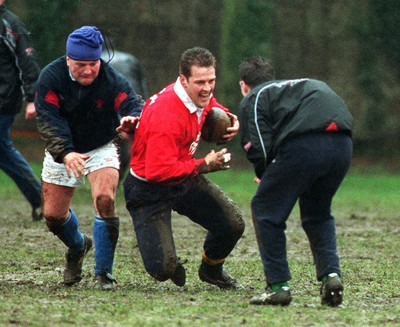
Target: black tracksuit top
[279, 110]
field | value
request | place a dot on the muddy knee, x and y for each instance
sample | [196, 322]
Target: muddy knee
[105, 206]
[237, 225]
[238, 229]
[161, 271]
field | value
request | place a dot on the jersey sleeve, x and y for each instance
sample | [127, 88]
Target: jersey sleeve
[127, 102]
[53, 128]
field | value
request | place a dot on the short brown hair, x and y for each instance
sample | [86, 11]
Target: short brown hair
[196, 56]
[256, 70]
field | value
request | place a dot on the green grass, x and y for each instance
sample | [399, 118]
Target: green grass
[367, 211]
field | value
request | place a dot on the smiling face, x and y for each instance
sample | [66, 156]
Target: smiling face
[84, 72]
[200, 84]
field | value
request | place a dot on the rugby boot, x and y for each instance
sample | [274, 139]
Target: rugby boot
[216, 275]
[282, 297]
[37, 214]
[332, 290]
[74, 261]
[179, 276]
[105, 282]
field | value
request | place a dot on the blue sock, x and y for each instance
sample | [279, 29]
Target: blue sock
[105, 235]
[73, 238]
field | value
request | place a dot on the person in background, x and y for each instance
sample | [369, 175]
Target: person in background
[19, 71]
[297, 133]
[129, 66]
[165, 176]
[79, 102]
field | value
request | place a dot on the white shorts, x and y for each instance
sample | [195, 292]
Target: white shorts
[56, 173]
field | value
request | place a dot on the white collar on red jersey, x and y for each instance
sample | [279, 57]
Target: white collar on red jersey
[181, 93]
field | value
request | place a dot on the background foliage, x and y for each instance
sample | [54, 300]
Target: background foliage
[352, 45]
[251, 38]
[50, 22]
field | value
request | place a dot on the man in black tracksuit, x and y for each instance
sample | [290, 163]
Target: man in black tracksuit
[297, 134]
[19, 72]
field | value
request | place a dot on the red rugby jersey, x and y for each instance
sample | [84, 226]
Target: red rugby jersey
[167, 137]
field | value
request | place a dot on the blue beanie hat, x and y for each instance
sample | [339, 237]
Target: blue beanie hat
[85, 44]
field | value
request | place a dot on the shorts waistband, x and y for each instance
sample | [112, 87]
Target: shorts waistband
[136, 176]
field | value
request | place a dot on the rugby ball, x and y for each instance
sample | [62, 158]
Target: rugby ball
[215, 125]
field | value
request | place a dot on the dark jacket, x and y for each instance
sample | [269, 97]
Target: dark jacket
[19, 69]
[76, 118]
[276, 111]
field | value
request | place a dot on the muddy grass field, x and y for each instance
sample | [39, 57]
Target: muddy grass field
[367, 211]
